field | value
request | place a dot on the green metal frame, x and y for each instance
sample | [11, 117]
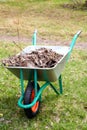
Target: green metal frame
[73, 42]
[38, 94]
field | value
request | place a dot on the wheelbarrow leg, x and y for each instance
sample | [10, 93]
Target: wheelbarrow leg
[60, 84]
[54, 88]
[35, 83]
[21, 82]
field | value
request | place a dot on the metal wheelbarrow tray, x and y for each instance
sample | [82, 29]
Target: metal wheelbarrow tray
[31, 97]
[43, 74]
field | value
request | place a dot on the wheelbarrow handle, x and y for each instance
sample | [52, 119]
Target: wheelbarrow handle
[74, 41]
[34, 38]
[78, 33]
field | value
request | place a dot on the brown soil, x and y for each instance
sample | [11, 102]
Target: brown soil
[80, 45]
[42, 58]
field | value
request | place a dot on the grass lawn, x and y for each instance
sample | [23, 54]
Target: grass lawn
[64, 112]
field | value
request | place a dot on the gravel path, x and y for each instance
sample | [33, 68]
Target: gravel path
[79, 45]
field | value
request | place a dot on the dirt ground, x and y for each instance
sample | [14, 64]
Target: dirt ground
[78, 45]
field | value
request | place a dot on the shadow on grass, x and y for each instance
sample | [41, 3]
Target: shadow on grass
[10, 109]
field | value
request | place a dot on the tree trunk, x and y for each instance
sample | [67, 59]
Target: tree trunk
[86, 3]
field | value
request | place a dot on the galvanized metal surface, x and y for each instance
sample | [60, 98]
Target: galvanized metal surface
[47, 74]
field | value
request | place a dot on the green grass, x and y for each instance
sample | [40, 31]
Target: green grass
[64, 112]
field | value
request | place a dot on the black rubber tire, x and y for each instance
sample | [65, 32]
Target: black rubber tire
[27, 100]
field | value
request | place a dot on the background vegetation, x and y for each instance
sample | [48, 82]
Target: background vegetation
[54, 19]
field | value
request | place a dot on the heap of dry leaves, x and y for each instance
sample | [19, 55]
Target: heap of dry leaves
[43, 58]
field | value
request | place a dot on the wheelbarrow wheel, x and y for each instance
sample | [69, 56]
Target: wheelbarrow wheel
[28, 98]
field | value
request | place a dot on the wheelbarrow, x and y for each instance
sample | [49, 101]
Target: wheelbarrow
[31, 97]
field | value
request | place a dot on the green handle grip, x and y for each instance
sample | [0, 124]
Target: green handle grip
[34, 38]
[74, 40]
